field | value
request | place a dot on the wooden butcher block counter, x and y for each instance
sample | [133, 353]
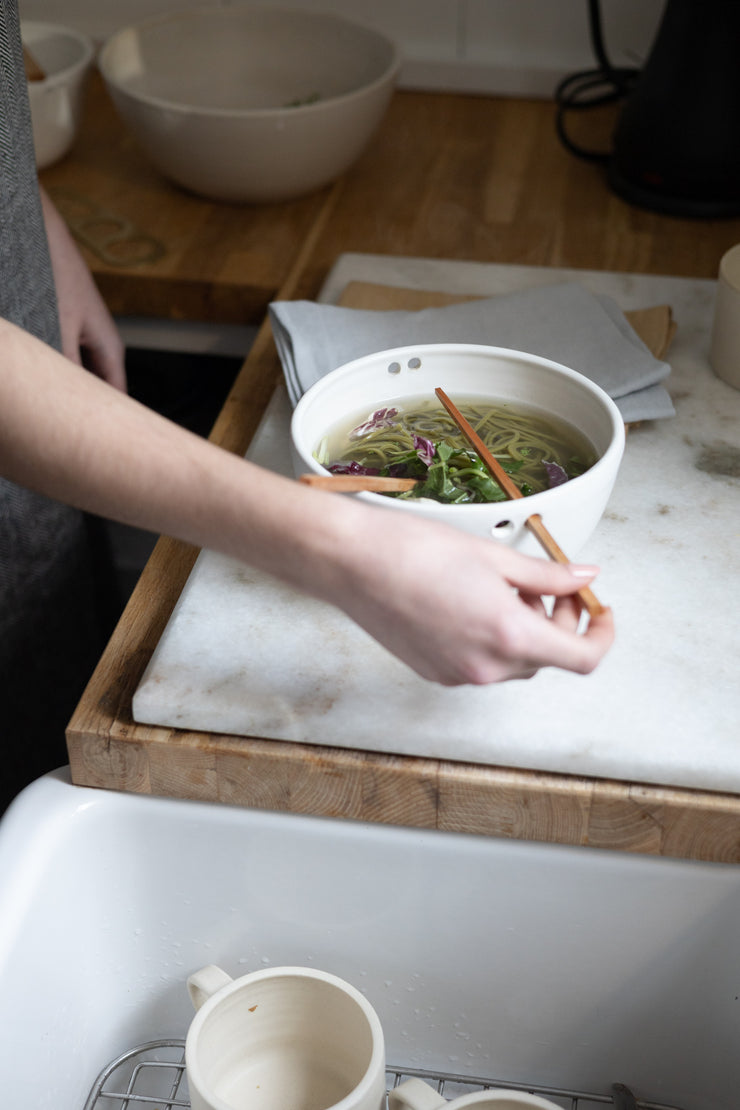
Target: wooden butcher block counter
[447, 177]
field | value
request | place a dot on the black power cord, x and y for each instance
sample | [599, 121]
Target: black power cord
[592, 88]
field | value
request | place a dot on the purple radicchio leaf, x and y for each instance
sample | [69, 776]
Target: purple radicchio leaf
[424, 449]
[352, 468]
[381, 418]
[555, 474]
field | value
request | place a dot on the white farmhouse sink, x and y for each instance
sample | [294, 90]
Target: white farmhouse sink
[527, 963]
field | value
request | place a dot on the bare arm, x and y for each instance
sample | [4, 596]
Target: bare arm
[86, 324]
[440, 600]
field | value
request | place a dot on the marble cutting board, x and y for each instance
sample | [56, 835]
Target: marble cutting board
[243, 655]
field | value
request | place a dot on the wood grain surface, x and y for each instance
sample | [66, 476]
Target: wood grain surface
[447, 176]
[158, 251]
[486, 179]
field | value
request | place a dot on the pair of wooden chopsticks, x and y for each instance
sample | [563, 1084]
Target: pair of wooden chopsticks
[346, 483]
[534, 523]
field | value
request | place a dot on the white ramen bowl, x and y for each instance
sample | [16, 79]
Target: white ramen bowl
[570, 511]
[250, 104]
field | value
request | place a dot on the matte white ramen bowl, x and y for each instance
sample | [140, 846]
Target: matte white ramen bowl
[250, 104]
[66, 57]
[570, 511]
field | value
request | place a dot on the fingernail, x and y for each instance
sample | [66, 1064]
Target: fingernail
[584, 572]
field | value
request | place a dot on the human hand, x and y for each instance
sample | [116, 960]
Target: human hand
[461, 609]
[89, 334]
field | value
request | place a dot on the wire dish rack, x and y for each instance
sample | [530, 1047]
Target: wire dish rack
[152, 1076]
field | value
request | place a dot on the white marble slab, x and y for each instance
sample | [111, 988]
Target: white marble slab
[243, 655]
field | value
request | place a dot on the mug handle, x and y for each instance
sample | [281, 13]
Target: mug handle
[206, 982]
[415, 1094]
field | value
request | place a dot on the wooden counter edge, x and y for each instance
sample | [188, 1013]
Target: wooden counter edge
[419, 793]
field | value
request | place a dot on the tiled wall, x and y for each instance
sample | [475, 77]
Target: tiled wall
[507, 46]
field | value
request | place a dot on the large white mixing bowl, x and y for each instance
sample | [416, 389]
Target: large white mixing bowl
[250, 104]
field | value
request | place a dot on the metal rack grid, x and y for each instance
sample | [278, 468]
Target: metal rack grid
[152, 1076]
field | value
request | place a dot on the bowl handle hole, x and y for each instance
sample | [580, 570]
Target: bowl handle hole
[395, 367]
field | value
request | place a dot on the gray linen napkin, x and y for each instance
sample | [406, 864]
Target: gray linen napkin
[563, 322]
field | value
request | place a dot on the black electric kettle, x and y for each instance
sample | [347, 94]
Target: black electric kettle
[676, 146]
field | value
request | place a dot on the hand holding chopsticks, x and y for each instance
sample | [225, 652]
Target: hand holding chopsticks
[534, 523]
[349, 483]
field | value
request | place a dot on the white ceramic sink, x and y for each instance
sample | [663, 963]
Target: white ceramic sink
[523, 962]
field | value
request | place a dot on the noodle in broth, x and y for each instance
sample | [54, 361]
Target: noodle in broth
[421, 440]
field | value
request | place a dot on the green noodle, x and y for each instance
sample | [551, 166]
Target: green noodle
[522, 439]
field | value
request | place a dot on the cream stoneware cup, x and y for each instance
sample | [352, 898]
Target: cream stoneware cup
[283, 1038]
[724, 353]
[414, 1094]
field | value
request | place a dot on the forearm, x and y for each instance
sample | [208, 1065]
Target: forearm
[66, 434]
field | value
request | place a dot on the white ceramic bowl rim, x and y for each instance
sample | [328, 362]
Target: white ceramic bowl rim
[251, 113]
[400, 354]
[59, 76]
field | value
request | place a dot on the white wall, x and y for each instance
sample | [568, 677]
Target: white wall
[497, 46]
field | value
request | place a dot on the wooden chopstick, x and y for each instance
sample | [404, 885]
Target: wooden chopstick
[353, 483]
[534, 523]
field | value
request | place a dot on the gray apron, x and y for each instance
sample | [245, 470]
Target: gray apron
[49, 627]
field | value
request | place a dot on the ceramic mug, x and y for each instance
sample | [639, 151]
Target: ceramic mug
[724, 352]
[282, 1037]
[414, 1094]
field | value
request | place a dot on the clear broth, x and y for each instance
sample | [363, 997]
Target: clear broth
[535, 448]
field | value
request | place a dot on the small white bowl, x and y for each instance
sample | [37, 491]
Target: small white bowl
[570, 511]
[250, 104]
[66, 57]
